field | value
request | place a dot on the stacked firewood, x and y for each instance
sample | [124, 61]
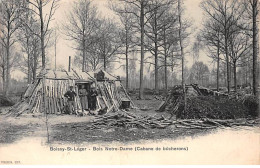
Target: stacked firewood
[110, 96]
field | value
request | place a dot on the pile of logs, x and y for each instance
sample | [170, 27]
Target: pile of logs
[130, 120]
[214, 123]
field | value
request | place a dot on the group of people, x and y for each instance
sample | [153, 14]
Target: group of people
[88, 99]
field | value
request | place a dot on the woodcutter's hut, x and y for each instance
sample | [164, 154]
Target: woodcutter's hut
[111, 92]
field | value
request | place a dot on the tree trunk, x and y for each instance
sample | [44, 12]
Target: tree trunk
[84, 53]
[43, 58]
[165, 62]
[105, 64]
[29, 69]
[182, 55]
[255, 76]
[165, 71]
[141, 90]
[156, 67]
[155, 54]
[28, 59]
[227, 60]
[7, 80]
[218, 64]
[235, 76]
[126, 65]
[42, 36]
[226, 52]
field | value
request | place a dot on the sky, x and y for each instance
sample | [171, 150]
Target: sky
[64, 50]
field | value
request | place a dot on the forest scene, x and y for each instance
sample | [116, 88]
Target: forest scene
[81, 71]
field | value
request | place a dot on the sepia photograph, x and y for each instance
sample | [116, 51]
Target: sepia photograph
[129, 82]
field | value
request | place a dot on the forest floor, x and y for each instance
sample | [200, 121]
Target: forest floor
[72, 129]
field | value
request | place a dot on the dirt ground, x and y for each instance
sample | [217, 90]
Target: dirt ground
[72, 129]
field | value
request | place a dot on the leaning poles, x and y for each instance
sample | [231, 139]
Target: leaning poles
[182, 54]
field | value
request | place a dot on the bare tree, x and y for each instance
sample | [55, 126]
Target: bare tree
[108, 41]
[252, 16]
[170, 38]
[138, 8]
[30, 44]
[156, 23]
[182, 53]
[9, 21]
[226, 13]
[37, 7]
[213, 40]
[126, 35]
[2, 65]
[255, 5]
[200, 73]
[81, 25]
[239, 49]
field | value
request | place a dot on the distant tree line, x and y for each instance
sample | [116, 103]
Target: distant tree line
[150, 39]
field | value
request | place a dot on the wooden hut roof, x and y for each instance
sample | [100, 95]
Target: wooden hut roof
[65, 75]
[74, 75]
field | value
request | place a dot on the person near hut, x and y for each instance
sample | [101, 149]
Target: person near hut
[70, 95]
[83, 95]
[93, 99]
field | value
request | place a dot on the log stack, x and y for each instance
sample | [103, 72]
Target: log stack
[128, 120]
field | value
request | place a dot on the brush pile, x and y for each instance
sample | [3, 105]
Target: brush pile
[205, 103]
[211, 107]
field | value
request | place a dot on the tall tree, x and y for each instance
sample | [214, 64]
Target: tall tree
[138, 8]
[107, 42]
[170, 38]
[30, 44]
[10, 22]
[37, 6]
[182, 53]
[251, 27]
[226, 13]
[126, 35]
[156, 23]
[80, 25]
[239, 49]
[213, 40]
[255, 5]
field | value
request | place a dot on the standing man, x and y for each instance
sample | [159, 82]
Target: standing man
[83, 98]
[70, 94]
[93, 99]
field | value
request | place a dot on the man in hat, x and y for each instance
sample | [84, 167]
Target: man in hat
[70, 94]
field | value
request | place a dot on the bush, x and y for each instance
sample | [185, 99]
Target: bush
[4, 101]
[251, 102]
